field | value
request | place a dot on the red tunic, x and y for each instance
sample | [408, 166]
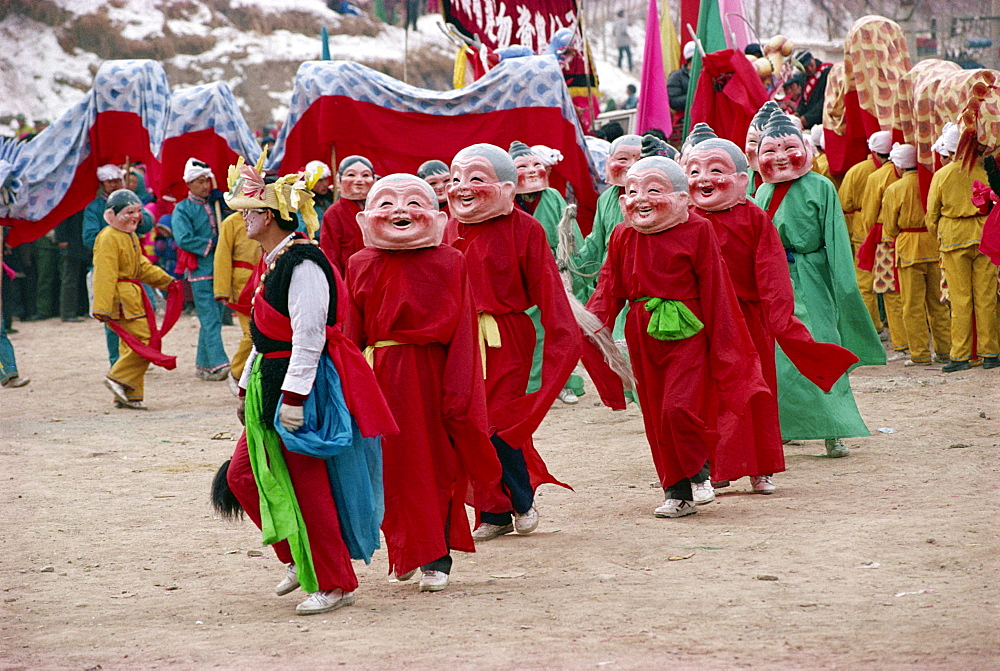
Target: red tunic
[691, 390]
[512, 268]
[434, 387]
[339, 233]
[758, 268]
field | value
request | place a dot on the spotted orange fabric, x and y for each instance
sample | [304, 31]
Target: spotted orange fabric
[876, 58]
[834, 109]
[979, 120]
[916, 114]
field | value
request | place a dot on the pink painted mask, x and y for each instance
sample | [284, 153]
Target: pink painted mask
[439, 183]
[355, 181]
[476, 193]
[532, 176]
[713, 180]
[650, 203]
[401, 213]
[621, 161]
[783, 158]
[753, 139]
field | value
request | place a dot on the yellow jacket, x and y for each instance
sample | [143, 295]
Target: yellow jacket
[951, 216]
[871, 202]
[118, 256]
[851, 192]
[901, 209]
[234, 247]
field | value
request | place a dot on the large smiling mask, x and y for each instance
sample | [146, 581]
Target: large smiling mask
[756, 129]
[717, 175]
[783, 154]
[532, 175]
[401, 212]
[656, 195]
[624, 152]
[483, 180]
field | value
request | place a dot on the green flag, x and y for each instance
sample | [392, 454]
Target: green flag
[712, 37]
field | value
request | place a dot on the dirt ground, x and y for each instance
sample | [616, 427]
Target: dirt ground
[110, 556]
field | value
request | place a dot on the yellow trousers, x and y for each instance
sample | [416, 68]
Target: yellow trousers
[972, 287]
[920, 287]
[239, 359]
[130, 369]
[893, 302]
[865, 282]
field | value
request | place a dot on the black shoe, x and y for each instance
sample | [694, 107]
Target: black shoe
[956, 366]
[991, 362]
[72, 320]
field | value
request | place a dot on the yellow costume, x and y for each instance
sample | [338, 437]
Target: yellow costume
[851, 191]
[972, 279]
[882, 282]
[821, 164]
[235, 258]
[117, 257]
[919, 269]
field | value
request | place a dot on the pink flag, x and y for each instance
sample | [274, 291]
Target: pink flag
[654, 105]
[735, 26]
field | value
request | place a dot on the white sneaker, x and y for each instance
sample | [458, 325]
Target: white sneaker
[762, 484]
[486, 531]
[324, 602]
[568, 397]
[234, 385]
[406, 576]
[702, 492]
[121, 394]
[527, 522]
[434, 581]
[897, 356]
[289, 583]
[131, 405]
[835, 448]
[675, 508]
[911, 362]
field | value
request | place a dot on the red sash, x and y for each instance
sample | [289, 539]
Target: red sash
[242, 304]
[361, 391]
[866, 252]
[185, 261]
[913, 230]
[152, 352]
[244, 265]
[779, 195]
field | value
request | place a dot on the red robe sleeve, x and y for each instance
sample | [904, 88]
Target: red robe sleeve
[606, 303]
[339, 233]
[821, 363]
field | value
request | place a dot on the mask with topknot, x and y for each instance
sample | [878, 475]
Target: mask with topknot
[764, 114]
[654, 146]
[783, 154]
[699, 133]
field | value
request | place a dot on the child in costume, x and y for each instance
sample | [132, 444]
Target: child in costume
[757, 265]
[339, 234]
[120, 270]
[806, 211]
[413, 314]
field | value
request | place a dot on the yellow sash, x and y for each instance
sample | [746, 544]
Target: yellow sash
[370, 350]
[489, 336]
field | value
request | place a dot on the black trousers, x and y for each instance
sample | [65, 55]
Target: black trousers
[682, 489]
[516, 483]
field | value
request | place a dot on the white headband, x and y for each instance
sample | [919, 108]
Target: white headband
[194, 169]
[109, 171]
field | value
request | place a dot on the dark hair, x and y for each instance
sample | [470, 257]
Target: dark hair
[630, 88]
[284, 224]
[753, 49]
[612, 131]
[657, 133]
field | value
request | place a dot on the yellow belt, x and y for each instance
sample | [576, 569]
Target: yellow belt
[370, 350]
[489, 336]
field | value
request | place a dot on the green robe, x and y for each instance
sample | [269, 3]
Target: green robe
[591, 254]
[811, 225]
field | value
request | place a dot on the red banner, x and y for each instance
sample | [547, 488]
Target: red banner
[502, 23]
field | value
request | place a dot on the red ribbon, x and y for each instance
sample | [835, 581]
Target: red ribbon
[151, 352]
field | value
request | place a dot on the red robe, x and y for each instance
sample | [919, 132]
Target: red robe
[434, 387]
[512, 268]
[339, 233]
[693, 390]
[758, 268]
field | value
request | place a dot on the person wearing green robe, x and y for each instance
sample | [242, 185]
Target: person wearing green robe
[753, 138]
[805, 209]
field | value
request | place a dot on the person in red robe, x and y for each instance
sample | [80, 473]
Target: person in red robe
[758, 267]
[436, 174]
[695, 365]
[511, 268]
[339, 234]
[412, 310]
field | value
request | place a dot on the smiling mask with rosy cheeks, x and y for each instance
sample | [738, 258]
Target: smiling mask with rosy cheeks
[760, 120]
[717, 175]
[532, 176]
[355, 177]
[783, 154]
[401, 213]
[483, 180]
[655, 197]
[624, 152]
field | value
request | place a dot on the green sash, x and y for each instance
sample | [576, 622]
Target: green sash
[670, 319]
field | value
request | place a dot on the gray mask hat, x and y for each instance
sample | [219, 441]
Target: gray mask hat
[120, 199]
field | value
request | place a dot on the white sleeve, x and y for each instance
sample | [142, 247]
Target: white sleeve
[247, 367]
[308, 304]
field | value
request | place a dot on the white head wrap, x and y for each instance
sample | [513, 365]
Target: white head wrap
[317, 170]
[194, 169]
[689, 51]
[947, 144]
[816, 135]
[880, 142]
[547, 155]
[110, 171]
[903, 156]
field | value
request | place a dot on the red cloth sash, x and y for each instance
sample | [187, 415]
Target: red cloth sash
[242, 304]
[361, 391]
[779, 195]
[185, 261]
[152, 351]
[866, 252]
[913, 230]
[989, 241]
[244, 265]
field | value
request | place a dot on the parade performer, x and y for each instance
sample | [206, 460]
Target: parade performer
[917, 260]
[821, 163]
[754, 132]
[876, 253]
[339, 234]
[806, 211]
[511, 269]
[690, 350]
[195, 224]
[758, 267]
[413, 312]
[851, 193]
[537, 198]
[436, 174]
[303, 473]
[120, 270]
[236, 257]
[972, 279]
[318, 180]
